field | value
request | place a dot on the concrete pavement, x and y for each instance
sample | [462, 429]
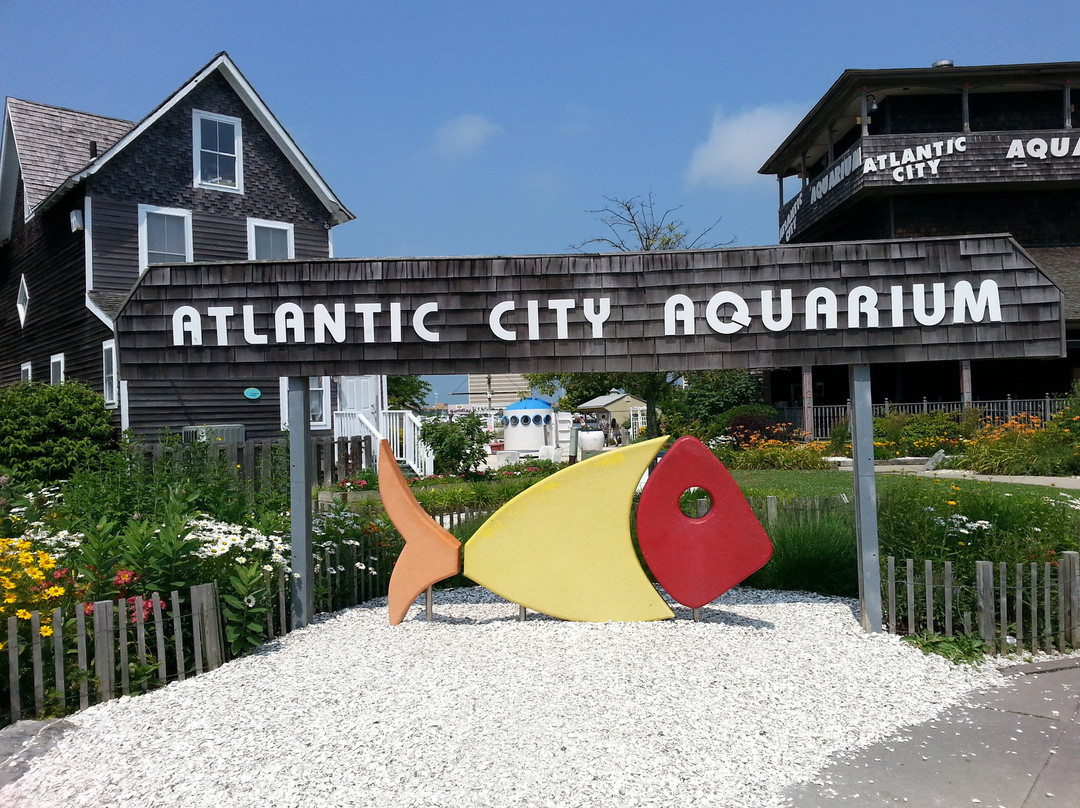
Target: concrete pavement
[1017, 746]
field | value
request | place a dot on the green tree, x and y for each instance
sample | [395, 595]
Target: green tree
[634, 224]
[697, 408]
[406, 392]
[47, 432]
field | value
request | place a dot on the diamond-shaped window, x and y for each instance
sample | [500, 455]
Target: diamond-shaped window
[22, 303]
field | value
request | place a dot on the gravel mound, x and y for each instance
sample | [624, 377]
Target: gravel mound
[477, 709]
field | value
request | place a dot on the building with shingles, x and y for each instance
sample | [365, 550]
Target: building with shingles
[88, 202]
[940, 151]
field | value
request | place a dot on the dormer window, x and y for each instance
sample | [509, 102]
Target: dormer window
[22, 302]
[217, 151]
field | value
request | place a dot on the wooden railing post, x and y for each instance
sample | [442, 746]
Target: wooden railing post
[104, 642]
[1070, 585]
[984, 587]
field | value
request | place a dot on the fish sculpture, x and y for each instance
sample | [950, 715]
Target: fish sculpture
[563, 546]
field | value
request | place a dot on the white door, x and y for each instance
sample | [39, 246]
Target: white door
[360, 394]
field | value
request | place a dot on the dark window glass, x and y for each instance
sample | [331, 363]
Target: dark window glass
[166, 239]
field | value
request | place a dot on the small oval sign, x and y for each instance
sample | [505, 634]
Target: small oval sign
[253, 393]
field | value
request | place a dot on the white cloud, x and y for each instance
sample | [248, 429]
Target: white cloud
[464, 136]
[738, 144]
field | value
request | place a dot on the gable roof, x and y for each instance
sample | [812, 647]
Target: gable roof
[605, 401]
[53, 143]
[49, 146]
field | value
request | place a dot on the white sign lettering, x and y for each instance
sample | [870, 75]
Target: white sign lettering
[725, 312]
[1040, 148]
[918, 162]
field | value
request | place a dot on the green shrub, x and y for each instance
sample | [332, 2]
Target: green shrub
[130, 480]
[917, 434]
[840, 438]
[812, 555]
[47, 432]
[699, 409]
[774, 455]
[1021, 446]
[763, 414]
[459, 446]
[905, 434]
[965, 649]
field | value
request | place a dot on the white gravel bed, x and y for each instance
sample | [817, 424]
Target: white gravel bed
[478, 709]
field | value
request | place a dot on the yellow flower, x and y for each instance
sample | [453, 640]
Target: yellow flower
[22, 614]
[46, 630]
[54, 591]
[11, 598]
[951, 502]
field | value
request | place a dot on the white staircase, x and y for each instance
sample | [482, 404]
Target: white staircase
[400, 428]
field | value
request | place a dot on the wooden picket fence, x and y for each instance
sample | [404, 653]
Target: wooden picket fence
[768, 509]
[109, 640]
[1013, 607]
[258, 462]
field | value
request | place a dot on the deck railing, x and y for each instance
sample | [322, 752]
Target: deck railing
[825, 416]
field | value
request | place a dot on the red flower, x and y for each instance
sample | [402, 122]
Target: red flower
[124, 577]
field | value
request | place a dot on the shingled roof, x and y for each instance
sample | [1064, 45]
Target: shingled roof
[53, 143]
[1062, 266]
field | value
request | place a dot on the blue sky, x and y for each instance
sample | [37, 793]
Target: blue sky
[479, 128]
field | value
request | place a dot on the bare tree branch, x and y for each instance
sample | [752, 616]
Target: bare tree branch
[634, 227]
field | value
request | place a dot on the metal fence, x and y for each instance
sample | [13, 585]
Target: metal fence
[825, 416]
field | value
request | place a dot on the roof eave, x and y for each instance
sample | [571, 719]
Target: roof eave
[852, 79]
[9, 177]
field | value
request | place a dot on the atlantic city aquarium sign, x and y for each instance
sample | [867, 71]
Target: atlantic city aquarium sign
[762, 307]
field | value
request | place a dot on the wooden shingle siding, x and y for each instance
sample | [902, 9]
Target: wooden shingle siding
[637, 284]
[311, 241]
[171, 405]
[51, 257]
[156, 168]
[218, 238]
[115, 244]
[982, 168]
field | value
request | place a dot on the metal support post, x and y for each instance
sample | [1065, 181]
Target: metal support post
[808, 401]
[300, 478]
[866, 527]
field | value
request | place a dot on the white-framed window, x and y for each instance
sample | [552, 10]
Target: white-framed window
[164, 236]
[111, 386]
[25, 372]
[319, 402]
[22, 301]
[270, 241]
[56, 369]
[218, 151]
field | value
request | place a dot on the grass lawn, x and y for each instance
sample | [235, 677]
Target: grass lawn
[788, 484]
[793, 483]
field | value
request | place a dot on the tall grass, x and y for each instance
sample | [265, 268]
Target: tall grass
[812, 555]
[967, 521]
